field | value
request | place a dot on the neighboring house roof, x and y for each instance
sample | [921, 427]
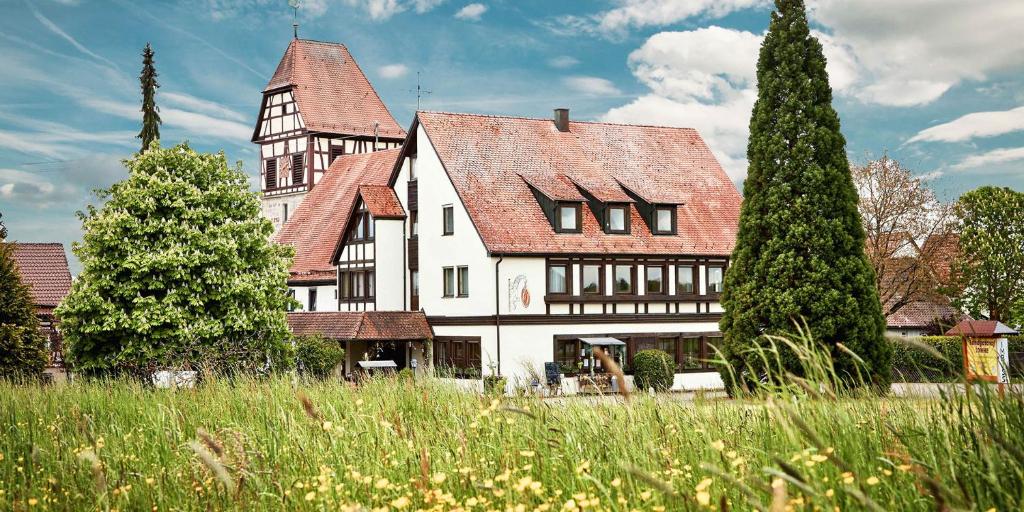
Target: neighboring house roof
[317, 226]
[942, 250]
[362, 326]
[44, 268]
[492, 160]
[919, 314]
[982, 328]
[332, 93]
[382, 202]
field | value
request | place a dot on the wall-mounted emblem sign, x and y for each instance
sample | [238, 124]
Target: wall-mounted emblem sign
[518, 293]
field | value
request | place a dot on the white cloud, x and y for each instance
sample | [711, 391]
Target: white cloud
[201, 105]
[645, 13]
[911, 52]
[703, 79]
[191, 123]
[591, 85]
[393, 71]
[67, 37]
[974, 125]
[422, 6]
[996, 156]
[380, 10]
[471, 12]
[563, 62]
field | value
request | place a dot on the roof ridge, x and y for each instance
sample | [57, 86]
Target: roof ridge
[332, 43]
[527, 118]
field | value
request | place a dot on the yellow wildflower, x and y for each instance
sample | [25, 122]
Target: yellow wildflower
[718, 445]
[311, 495]
[872, 480]
[439, 478]
[400, 502]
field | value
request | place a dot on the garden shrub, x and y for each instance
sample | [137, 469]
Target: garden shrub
[317, 356]
[653, 369]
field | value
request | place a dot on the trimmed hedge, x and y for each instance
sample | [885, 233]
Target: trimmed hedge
[316, 356]
[653, 369]
[911, 364]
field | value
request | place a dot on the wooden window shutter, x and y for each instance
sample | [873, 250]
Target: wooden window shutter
[271, 174]
[336, 151]
[298, 168]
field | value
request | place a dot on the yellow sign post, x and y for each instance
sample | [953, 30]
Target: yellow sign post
[986, 350]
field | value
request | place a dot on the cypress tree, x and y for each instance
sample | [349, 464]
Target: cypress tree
[22, 347]
[150, 112]
[799, 254]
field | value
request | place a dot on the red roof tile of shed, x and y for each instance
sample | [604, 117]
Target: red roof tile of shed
[382, 202]
[316, 227]
[488, 158]
[981, 328]
[333, 94]
[362, 326]
[44, 268]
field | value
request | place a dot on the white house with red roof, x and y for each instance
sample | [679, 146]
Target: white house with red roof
[525, 243]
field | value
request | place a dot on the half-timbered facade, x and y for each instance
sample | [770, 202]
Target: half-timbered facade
[317, 107]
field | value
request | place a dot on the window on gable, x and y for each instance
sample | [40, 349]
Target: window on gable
[558, 279]
[448, 214]
[590, 283]
[617, 219]
[449, 281]
[271, 175]
[370, 284]
[298, 168]
[463, 281]
[414, 222]
[567, 218]
[664, 220]
[715, 279]
[336, 151]
[655, 280]
[312, 299]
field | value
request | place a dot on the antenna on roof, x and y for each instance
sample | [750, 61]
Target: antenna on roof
[419, 91]
[294, 4]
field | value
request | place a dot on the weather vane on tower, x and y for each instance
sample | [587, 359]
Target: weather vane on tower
[294, 4]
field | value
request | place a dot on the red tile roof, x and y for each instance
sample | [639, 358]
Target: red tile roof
[316, 227]
[491, 159]
[922, 313]
[942, 250]
[362, 326]
[982, 328]
[44, 268]
[382, 202]
[333, 94]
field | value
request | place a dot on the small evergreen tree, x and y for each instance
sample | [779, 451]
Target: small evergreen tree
[178, 271]
[3, 229]
[22, 347]
[800, 249]
[150, 112]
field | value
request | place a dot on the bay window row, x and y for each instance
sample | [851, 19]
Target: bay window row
[690, 352]
[357, 284]
[656, 279]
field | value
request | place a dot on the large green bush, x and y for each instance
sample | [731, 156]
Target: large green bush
[316, 356]
[653, 369]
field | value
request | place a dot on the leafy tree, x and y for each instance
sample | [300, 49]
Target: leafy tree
[900, 212]
[177, 271]
[990, 269]
[22, 347]
[800, 248]
[150, 112]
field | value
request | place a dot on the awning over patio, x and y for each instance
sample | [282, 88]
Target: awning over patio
[377, 364]
[603, 342]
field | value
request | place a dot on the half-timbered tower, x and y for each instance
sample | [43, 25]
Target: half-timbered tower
[318, 106]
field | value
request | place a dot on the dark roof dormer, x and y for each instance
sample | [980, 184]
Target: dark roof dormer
[659, 212]
[560, 200]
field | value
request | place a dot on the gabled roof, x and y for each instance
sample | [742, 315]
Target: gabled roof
[362, 326]
[981, 328]
[43, 267]
[317, 226]
[381, 201]
[491, 159]
[922, 313]
[332, 93]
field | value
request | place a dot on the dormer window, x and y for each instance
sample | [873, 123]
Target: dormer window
[664, 220]
[568, 218]
[617, 219]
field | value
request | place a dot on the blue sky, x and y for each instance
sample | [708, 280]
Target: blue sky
[938, 84]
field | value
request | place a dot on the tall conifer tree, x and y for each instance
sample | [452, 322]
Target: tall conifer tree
[799, 255]
[22, 348]
[150, 112]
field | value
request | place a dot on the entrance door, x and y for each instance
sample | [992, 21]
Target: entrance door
[391, 350]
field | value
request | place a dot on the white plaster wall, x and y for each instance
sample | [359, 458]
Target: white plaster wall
[463, 248]
[273, 207]
[389, 266]
[325, 299]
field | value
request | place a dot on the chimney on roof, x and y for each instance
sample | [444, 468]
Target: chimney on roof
[562, 119]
